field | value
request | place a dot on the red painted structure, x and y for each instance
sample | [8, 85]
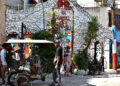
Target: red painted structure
[114, 61]
[114, 55]
[64, 4]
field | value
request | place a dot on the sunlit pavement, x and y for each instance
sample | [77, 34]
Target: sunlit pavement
[80, 80]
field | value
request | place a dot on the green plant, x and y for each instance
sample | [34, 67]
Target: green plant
[82, 57]
[91, 34]
[53, 23]
[44, 51]
[81, 60]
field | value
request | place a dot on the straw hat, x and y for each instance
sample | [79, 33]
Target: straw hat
[16, 48]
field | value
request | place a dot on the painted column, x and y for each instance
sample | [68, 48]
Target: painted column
[114, 48]
[106, 54]
[110, 52]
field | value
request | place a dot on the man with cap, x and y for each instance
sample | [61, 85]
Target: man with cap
[57, 63]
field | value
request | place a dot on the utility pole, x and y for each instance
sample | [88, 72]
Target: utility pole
[2, 21]
[113, 13]
[114, 59]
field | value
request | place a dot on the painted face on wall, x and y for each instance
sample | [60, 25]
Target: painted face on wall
[99, 52]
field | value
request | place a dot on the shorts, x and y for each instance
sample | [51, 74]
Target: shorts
[4, 67]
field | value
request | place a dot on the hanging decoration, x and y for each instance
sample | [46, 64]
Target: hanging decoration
[62, 3]
[64, 6]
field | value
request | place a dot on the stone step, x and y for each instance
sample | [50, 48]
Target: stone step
[118, 70]
[110, 71]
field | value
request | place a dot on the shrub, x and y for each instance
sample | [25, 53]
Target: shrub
[81, 60]
[44, 51]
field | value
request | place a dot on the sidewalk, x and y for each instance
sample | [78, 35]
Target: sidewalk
[110, 71]
[105, 79]
[87, 80]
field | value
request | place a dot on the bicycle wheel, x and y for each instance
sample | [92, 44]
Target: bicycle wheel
[22, 80]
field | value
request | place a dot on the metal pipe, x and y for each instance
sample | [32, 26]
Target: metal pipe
[114, 40]
[73, 33]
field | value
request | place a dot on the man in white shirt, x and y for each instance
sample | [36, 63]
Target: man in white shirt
[3, 61]
[3, 56]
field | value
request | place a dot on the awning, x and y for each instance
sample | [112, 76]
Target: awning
[27, 41]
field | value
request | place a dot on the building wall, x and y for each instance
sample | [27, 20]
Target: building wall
[117, 2]
[2, 20]
[13, 2]
[101, 13]
[33, 18]
[87, 3]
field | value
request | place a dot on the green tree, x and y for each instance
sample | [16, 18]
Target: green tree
[46, 52]
[91, 34]
[81, 59]
[53, 23]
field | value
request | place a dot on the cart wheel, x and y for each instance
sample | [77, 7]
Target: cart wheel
[11, 77]
[22, 80]
[43, 77]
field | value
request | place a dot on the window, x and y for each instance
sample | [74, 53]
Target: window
[42, 1]
[110, 20]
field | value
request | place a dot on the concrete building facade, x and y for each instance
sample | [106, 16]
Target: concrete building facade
[103, 11]
[33, 18]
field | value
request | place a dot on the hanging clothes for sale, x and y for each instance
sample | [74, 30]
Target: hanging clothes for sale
[27, 50]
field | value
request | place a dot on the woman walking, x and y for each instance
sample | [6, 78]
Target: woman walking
[68, 61]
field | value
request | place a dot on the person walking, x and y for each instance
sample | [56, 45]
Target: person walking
[68, 61]
[4, 67]
[57, 63]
